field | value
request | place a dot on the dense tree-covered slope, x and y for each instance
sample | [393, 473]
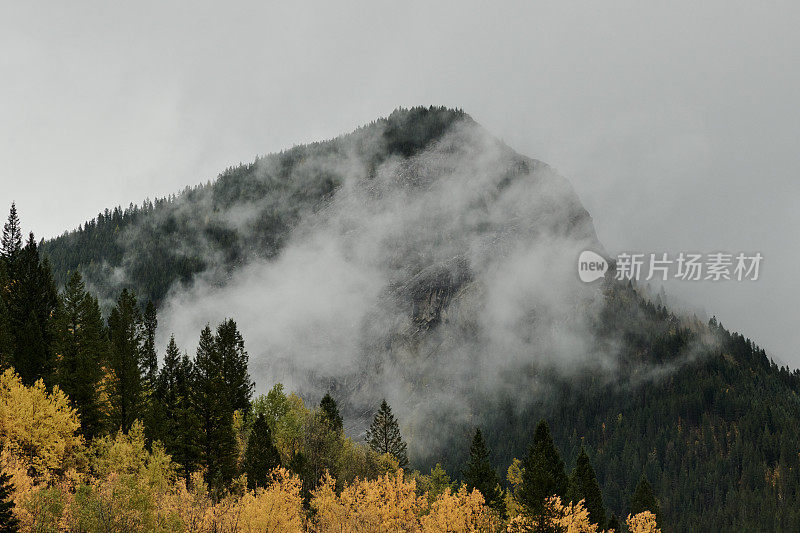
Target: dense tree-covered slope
[702, 411]
[715, 429]
[249, 210]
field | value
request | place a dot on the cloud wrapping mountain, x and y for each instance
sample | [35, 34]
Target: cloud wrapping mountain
[427, 279]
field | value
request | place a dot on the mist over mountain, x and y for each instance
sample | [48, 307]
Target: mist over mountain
[417, 245]
[421, 260]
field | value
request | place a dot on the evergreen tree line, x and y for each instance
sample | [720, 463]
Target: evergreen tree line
[201, 408]
[109, 369]
[541, 475]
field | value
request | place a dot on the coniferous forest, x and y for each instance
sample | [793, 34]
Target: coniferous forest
[99, 437]
[103, 430]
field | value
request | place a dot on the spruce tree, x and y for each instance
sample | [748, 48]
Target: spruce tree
[479, 474]
[31, 298]
[126, 335]
[185, 435]
[8, 522]
[383, 435]
[260, 456]
[81, 344]
[229, 344]
[215, 409]
[6, 337]
[163, 401]
[543, 474]
[583, 486]
[153, 416]
[176, 423]
[149, 356]
[11, 244]
[10, 248]
[166, 383]
[331, 412]
[643, 499]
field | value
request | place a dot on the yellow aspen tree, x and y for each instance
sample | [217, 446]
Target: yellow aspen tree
[387, 504]
[644, 522]
[458, 512]
[277, 507]
[570, 518]
[37, 427]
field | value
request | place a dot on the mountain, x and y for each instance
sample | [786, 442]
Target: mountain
[251, 210]
[421, 260]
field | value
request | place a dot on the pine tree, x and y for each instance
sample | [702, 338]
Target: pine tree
[149, 356]
[479, 474]
[6, 337]
[81, 347]
[215, 409]
[383, 435]
[583, 486]
[644, 500]
[8, 522]
[163, 400]
[544, 473]
[166, 382]
[126, 335]
[331, 412]
[12, 240]
[153, 416]
[229, 344]
[31, 298]
[260, 456]
[186, 434]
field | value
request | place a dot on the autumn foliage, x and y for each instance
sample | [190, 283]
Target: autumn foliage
[122, 482]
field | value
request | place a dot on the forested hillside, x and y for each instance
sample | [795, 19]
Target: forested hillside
[716, 434]
[96, 435]
[471, 320]
[150, 246]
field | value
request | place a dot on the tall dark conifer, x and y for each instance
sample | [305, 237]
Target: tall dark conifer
[229, 345]
[10, 249]
[260, 456]
[185, 441]
[149, 356]
[126, 335]
[11, 244]
[479, 474]
[644, 500]
[81, 348]
[383, 435]
[583, 486]
[163, 399]
[330, 412]
[31, 298]
[6, 338]
[543, 474]
[215, 409]
[175, 422]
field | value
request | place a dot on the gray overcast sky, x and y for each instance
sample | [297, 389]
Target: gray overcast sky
[677, 125]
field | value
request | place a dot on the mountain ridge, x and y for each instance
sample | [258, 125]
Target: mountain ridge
[459, 255]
